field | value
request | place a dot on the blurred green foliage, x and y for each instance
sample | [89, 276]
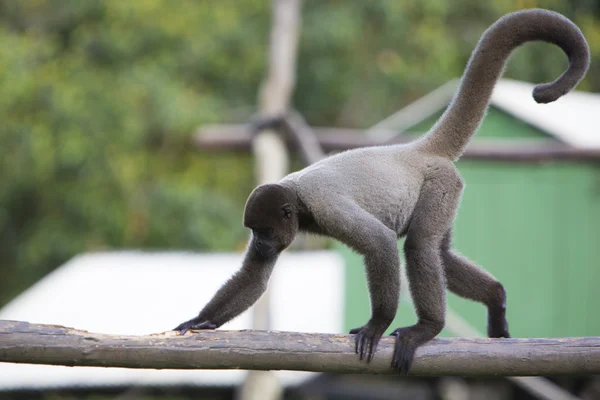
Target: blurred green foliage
[99, 100]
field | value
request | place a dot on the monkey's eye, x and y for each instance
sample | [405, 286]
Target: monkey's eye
[287, 211]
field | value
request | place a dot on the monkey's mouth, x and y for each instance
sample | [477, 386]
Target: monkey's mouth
[268, 252]
[265, 250]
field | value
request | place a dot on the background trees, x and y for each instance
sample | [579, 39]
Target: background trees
[99, 99]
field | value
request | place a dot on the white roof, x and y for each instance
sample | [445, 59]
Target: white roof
[137, 293]
[573, 119]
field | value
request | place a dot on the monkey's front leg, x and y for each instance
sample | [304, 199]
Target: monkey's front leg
[347, 222]
[383, 274]
[237, 294]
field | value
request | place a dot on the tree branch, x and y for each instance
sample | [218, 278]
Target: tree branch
[22, 342]
[237, 137]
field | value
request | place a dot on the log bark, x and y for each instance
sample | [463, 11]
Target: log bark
[23, 342]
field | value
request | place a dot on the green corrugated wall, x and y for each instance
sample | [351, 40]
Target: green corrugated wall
[536, 227]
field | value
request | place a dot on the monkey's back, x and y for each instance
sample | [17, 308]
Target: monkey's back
[385, 181]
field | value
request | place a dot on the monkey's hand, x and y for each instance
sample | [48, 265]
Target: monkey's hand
[195, 323]
[367, 338]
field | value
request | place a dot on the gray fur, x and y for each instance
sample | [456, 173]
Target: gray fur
[368, 198]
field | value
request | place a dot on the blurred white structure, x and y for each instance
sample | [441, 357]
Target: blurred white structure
[136, 293]
[572, 119]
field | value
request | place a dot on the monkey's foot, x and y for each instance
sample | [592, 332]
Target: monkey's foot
[408, 341]
[195, 323]
[497, 327]
[366, 340]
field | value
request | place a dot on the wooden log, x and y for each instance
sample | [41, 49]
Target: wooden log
[23, 342]
[237, 137]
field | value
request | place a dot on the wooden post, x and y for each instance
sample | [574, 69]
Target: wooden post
[271, 154]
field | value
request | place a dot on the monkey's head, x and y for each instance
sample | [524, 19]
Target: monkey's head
[271, 213]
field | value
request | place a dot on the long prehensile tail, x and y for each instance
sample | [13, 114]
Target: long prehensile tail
[450, 135]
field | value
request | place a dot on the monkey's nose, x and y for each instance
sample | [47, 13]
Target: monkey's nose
[260, 246]
[265, 249]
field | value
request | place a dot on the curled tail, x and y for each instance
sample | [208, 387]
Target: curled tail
[450, 135]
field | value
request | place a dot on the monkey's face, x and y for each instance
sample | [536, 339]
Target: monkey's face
[271, 214]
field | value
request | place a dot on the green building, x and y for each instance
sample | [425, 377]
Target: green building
[530, 213]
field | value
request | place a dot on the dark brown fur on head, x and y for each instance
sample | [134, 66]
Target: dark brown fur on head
[272, 213]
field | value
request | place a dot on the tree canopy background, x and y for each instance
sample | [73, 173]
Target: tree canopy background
[99, 100]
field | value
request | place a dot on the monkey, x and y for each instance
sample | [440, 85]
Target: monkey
[368, 198]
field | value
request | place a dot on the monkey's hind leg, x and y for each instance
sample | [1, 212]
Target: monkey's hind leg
[432, 218]
[472, 282]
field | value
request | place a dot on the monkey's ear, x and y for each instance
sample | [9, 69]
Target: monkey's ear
[286, 209]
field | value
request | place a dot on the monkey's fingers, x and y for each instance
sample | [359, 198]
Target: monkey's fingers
[194, 323]
[360, 345]
[373, 348]
[361, 339]
[404, 352]
[356, 331]
[365, 342]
